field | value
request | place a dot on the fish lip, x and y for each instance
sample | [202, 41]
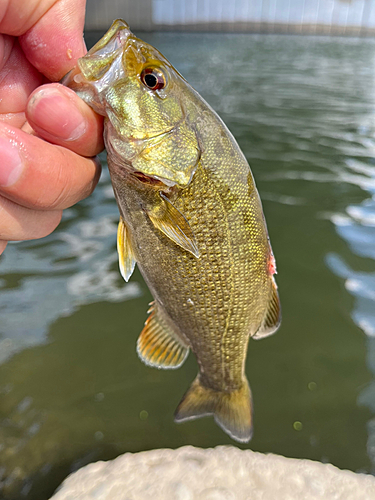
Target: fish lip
[116, 46]
[93, 72]
[119, 38]
[110, 44]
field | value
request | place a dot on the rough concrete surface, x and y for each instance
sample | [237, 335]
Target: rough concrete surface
[222, 473]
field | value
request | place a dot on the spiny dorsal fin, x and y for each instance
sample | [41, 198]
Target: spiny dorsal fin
[173, 224]
[158, 345]
[272, 318]
[125, 252]
[231, 410]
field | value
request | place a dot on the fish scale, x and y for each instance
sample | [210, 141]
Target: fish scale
[190, 218]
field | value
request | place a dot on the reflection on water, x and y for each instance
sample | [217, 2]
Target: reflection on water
[72, 389]
[356, 225]
[45, 280]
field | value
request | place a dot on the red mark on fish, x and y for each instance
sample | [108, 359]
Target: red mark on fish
[272, 264]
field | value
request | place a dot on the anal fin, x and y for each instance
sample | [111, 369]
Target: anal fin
[158, 345]
[272, 318]
[125, 251]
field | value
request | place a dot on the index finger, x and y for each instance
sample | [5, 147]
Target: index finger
[55, 42]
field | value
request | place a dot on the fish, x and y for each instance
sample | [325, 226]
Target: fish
[191, 219]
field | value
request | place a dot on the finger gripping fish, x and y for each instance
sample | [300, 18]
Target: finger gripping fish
[190, 217]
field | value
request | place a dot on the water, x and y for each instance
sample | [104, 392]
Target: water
[72, 388]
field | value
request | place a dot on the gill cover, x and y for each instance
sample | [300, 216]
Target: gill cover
[145, 128]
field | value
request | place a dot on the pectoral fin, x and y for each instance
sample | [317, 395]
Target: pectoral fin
[272, 318]
[173, 224]
[158, 344]
[125, 252]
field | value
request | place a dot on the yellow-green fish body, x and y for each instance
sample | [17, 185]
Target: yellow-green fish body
[192, 220]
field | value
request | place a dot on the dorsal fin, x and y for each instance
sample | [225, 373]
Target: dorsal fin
[272, 318]
[125, 251]
[158, 344]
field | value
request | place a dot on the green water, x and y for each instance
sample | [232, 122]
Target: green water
[72, 388]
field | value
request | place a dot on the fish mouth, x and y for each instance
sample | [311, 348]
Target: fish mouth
[115, 39]
[105, 61]
[92, 67]
[119, 54]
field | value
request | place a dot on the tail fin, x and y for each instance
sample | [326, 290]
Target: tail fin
[231, 410]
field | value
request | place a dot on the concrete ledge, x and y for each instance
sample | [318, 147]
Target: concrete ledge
[222, 473]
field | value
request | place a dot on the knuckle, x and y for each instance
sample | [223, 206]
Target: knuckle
[56, 192]
[20, 223]
[45, 227]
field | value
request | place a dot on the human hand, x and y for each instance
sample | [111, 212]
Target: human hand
[48, 167]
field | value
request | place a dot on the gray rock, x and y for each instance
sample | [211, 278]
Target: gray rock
[222, 473]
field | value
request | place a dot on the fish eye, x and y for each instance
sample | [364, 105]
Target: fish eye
[153, 78]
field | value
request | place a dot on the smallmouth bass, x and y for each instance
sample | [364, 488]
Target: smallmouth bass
[190, 218]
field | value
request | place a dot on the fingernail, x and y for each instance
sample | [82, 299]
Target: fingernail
[56, 115]
[11, 164]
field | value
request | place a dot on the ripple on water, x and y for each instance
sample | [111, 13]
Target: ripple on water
[73, 267]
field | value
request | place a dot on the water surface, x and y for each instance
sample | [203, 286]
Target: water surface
[72, 388]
